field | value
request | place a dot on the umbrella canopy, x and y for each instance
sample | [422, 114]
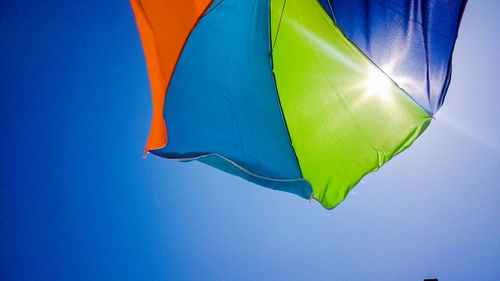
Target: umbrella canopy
[302, 96]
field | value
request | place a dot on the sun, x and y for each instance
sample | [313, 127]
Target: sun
[377, 84]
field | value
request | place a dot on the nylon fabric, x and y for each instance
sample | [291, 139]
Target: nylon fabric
[344, 116]
[164, 27]
[412, 41]
[222, 99]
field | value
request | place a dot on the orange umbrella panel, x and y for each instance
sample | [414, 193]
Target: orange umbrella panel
[164, 27]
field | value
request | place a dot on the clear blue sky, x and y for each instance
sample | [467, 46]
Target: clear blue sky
[78, 202]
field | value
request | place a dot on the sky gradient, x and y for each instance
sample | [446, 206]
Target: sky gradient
[78, 202]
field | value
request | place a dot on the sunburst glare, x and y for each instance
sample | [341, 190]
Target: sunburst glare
[377, 84]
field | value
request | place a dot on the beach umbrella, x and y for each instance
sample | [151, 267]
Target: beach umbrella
[303, 96]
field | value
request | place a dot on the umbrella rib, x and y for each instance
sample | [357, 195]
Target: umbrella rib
[331, 10]
[208, 12]
[279, 24]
